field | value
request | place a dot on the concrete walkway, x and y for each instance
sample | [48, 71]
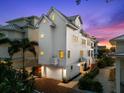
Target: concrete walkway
[103, 77]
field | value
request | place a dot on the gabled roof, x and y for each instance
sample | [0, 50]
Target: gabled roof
[117, 38]
[45, 16]
[22, 18]
[73, 18]
[68, 19]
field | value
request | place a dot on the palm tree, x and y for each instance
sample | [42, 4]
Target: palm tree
[22, 45]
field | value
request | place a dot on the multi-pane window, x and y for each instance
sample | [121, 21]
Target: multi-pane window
[75, 38]
[69, 53]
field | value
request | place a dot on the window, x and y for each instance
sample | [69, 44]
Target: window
[92, 53]
[42, 36]
[44, 21]
[75, 38]
[68, 53]
[88, 42]
[71, 67]
[81, 52]
[41, 53]
[88, 52]
[53, 17]
[61, 54]
[83, 41]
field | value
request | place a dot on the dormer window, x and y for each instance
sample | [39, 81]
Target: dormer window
[53, 16]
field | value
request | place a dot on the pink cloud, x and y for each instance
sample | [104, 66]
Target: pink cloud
[104, 34]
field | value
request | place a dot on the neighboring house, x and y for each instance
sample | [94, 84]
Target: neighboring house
[63, 46]
[18, 29]
[119, 43]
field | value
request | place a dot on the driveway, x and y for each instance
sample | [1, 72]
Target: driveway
[51, 86]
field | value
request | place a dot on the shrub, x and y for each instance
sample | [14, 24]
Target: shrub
[88, 84]
[105, 61]
[92, 73]
[13, 81]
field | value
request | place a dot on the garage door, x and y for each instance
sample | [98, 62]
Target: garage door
[53, 72]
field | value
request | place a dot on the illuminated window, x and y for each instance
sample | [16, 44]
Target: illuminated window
[53, 17]
[69, 54]
[42, 36]
[61, 54]
[44, 21]
[81, 53]
[41, 53]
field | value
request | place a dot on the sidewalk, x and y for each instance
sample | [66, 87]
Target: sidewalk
[103, 78]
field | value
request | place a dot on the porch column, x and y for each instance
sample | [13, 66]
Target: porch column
[118, 76]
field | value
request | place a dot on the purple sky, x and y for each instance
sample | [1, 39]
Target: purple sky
[103, 20]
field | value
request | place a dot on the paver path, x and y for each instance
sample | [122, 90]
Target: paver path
[103, 77]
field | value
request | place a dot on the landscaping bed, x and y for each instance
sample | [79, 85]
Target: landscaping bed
[87, 83]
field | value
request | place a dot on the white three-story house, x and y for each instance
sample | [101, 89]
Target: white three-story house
[61, 44]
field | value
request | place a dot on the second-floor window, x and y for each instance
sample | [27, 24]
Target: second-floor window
[81, 52]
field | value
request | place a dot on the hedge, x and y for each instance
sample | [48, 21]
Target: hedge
[86, 82]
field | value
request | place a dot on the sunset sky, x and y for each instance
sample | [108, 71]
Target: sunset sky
[101, 19]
